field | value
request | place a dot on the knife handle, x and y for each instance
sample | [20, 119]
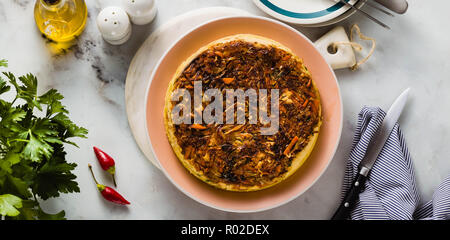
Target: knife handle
[343, 212]
[398, 6]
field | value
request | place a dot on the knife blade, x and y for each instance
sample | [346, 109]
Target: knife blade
[375, 146]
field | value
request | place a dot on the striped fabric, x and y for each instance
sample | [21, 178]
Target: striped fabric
[390, 191]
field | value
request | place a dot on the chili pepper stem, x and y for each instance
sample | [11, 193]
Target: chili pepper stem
[114, 179]
[112, 171]
[92, 173]
[99, 186]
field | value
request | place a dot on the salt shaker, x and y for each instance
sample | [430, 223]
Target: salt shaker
[140, 11]
[114, 25]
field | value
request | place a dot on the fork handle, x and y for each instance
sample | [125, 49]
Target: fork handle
[398, 6]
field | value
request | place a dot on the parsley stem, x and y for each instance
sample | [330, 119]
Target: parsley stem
[14, 101]
[18, 140]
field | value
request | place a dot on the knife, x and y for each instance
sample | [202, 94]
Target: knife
[375, 147]
[365, 14]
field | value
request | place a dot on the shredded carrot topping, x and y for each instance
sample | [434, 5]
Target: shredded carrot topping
[305, 103]
[227, 80]
[198, 126]
[289, 147]
[188, 152]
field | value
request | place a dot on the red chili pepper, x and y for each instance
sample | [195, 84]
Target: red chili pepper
[106, 162]
[109, 193]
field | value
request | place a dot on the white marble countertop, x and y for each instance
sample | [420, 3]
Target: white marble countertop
[92, 75]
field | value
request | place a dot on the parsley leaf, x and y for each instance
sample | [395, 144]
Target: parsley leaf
[36, 148]
[9, 205]
[3, 86]
[53, 100]
[26, 88]
[55, 177]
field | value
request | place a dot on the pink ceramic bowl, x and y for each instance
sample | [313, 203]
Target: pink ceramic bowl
[311, 170]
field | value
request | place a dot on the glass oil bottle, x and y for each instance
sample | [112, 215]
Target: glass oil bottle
[60, 20]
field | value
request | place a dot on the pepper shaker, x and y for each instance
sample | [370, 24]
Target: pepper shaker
[114, 25]
[140, 11]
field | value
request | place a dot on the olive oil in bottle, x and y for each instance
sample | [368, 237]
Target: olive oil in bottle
[60, 20]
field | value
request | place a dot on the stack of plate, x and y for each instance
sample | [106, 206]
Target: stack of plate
[153, 120]
[311, 13]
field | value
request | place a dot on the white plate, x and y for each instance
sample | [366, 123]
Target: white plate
[305, 12]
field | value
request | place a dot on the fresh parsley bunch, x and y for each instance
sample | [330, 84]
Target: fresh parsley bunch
[32, 156]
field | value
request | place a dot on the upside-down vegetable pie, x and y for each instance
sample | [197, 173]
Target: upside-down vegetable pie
[237, 157]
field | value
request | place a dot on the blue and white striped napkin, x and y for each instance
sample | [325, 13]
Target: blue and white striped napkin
[390, 191]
